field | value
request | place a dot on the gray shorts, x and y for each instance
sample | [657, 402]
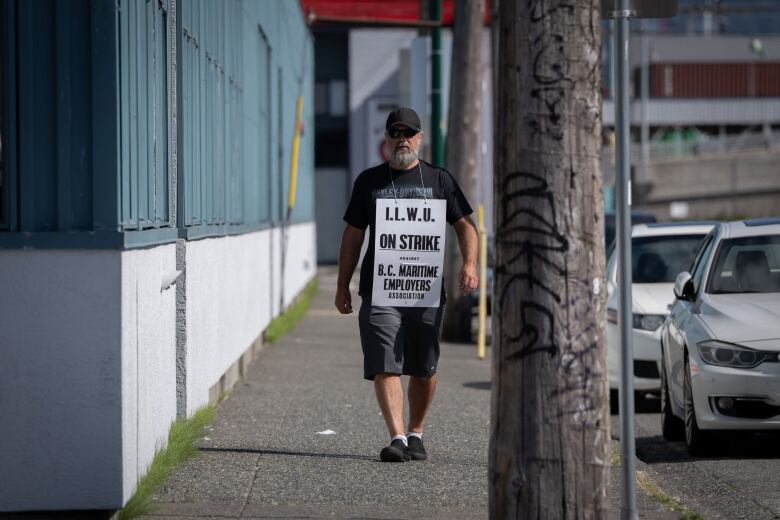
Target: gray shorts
[400, 340]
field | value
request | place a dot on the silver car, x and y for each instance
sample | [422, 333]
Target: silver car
[720, 344]
[659, 251]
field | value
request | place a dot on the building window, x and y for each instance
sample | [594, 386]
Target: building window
[330, 98]
[321, 106]
[330, 149]
[338, 98]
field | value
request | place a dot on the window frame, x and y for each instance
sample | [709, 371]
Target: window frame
[715, 256]
[702, 258]
[669, 238]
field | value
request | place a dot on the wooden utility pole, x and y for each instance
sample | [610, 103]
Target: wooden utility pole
[549, 424]
[463, 136]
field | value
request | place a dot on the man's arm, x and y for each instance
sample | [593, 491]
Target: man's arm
[467, 240]
[349, 254]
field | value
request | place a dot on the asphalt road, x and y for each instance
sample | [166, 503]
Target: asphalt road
[743, 481]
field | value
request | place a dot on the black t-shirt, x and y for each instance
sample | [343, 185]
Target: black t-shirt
[375, 183]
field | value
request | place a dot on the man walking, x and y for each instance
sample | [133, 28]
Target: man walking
[405, 203]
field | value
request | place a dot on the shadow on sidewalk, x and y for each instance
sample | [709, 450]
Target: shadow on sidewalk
[292, 453]
[478, 385]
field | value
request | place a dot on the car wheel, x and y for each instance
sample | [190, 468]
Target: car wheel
[672, 427]
[698, 441]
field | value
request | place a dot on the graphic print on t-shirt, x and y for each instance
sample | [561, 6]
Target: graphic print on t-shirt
[403, 192]
[409, 252]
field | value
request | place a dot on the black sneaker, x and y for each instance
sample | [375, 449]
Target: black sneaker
[416, 450]
[396, 452]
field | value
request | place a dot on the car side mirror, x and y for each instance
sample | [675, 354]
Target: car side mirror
[683, 286]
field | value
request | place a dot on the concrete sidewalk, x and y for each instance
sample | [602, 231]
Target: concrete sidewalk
[264, 457]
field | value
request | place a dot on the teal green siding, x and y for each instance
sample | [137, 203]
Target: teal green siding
[105, 96]
[243, 66]
[144, 36]
[8, 155]
[213, 98]
[38, 136]
[46, 111]
[88, 119]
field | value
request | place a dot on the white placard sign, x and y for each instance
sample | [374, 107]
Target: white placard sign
[409, 252]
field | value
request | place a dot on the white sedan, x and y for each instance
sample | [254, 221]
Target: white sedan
[658, 253]
[720, 344]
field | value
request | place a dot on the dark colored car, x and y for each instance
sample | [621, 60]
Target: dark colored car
[467, 306]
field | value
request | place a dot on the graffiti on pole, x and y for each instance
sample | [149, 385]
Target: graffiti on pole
[556, 314]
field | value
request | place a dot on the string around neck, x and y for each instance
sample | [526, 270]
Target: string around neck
[425, 194]
[422, 183]
[390, 171]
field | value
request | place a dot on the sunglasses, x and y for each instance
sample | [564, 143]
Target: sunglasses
[395, 133]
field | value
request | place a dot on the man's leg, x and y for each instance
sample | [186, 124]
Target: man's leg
[421, 390]
[390, 396]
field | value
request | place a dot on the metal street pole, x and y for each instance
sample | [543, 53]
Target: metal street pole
[644, 92]
[621, 11]
[623, 206]
[437, 138]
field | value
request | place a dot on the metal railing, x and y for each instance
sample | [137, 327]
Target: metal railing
[704, 145]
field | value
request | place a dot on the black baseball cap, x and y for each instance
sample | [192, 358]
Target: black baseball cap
[403, 116]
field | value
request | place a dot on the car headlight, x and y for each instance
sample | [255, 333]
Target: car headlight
[730, 355]
[648, 321]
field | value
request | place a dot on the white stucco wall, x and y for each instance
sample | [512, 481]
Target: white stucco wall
[148, 358]
[301, 259]
[88, 355]
[225, 306]
[60, 369]
[275, 271]
[87, 379]
[233, 289]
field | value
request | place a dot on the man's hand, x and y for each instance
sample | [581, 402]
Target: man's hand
[343, 300]
[469, 280]
[349, 253]
[467, 240]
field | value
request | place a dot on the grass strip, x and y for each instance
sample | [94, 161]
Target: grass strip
[181, 446]
[286, 321]
[649, 487]
[614, 456]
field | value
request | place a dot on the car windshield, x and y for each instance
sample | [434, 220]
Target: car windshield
[747, 265]
[610, 226]
[660, 259]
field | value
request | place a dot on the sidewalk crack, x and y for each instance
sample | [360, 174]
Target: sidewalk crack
[251, 484]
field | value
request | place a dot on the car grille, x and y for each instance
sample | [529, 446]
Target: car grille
[646, 369]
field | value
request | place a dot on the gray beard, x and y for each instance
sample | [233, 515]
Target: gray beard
[402, 159]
